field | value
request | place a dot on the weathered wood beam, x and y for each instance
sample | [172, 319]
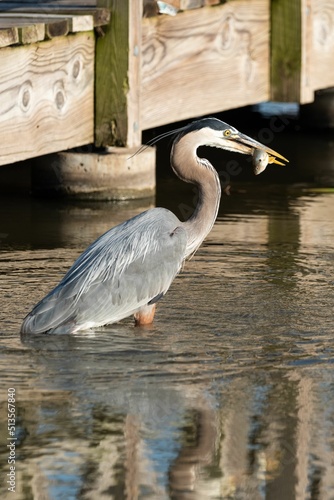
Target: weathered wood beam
[100, 16]
[31, 33]
[212, 2]
[8, 36]
[302, 49]
[76, 22]
[318, 47]
[186, 4]
[57, 28]
[286, 50]
[204, 61]
[46, 4]
[46, 97]
[118, 56]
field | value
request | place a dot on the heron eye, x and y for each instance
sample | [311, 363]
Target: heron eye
[227, 133]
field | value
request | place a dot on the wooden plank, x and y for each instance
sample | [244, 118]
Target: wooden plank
[46, 97]
[32, 33]
[57, 28]
[118, 56]
[76, 22]
[302, 49]
[318, 46]
[286, 50]
[306, 94]
[27, 32]
[150, 8]
[53, 27]
[212, 2]
[8, 36]
[186, 4]
[154, 8]
[46, 4]
[204, 61]
[81, 23]
[100, 16]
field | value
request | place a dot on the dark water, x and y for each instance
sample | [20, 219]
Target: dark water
[229, 395]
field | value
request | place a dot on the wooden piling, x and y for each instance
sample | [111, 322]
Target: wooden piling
[302, 49]
[286, 50]
[117, 78]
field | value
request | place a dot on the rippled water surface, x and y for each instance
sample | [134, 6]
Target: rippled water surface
[230, 394]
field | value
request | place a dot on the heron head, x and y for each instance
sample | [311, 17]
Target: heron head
[216, 133]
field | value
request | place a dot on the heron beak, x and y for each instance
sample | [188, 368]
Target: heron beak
[247, 145]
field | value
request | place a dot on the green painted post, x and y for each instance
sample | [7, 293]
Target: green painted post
[286, 50]
[117, 76]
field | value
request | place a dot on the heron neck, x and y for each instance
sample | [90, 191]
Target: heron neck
[200, 172]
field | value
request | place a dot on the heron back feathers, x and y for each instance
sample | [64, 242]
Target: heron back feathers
[121, 271]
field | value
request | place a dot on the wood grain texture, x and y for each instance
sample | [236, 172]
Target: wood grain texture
[8, 36]
[46, 4]
[204, 61]
[32, 33]
[100, 16]
[111, 77]
[186, 4]
[286, 50]
[318, 47]
[211, 2]
[46, 97]
[118, 56]
[76, 22]
[150, 8]
[58, 27]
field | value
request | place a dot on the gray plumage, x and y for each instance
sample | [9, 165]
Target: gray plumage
[130, 267]
[106, 281]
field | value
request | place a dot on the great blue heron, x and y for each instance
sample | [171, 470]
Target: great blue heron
[130, 267]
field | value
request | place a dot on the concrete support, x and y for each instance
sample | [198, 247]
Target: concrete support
[114, 174]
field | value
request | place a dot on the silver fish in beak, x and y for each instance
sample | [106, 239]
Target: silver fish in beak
[262, 155]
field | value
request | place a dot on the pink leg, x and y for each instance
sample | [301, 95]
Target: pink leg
[145, 315]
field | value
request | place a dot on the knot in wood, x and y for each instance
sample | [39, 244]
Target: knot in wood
[26, 98]
[226, 32]
[25, 95]
[323, 27]
[76, 69]
[59, 94]
[60, 99]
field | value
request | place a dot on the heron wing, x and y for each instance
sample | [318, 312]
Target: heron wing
[121, 271]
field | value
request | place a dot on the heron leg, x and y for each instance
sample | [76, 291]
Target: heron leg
[145, 315]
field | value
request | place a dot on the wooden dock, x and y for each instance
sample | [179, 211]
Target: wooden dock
[99, 72]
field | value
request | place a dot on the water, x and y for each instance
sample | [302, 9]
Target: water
[229, 395]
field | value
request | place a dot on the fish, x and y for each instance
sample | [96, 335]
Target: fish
[261, 160]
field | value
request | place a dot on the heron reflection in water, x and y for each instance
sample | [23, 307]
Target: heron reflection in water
[130, 267]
